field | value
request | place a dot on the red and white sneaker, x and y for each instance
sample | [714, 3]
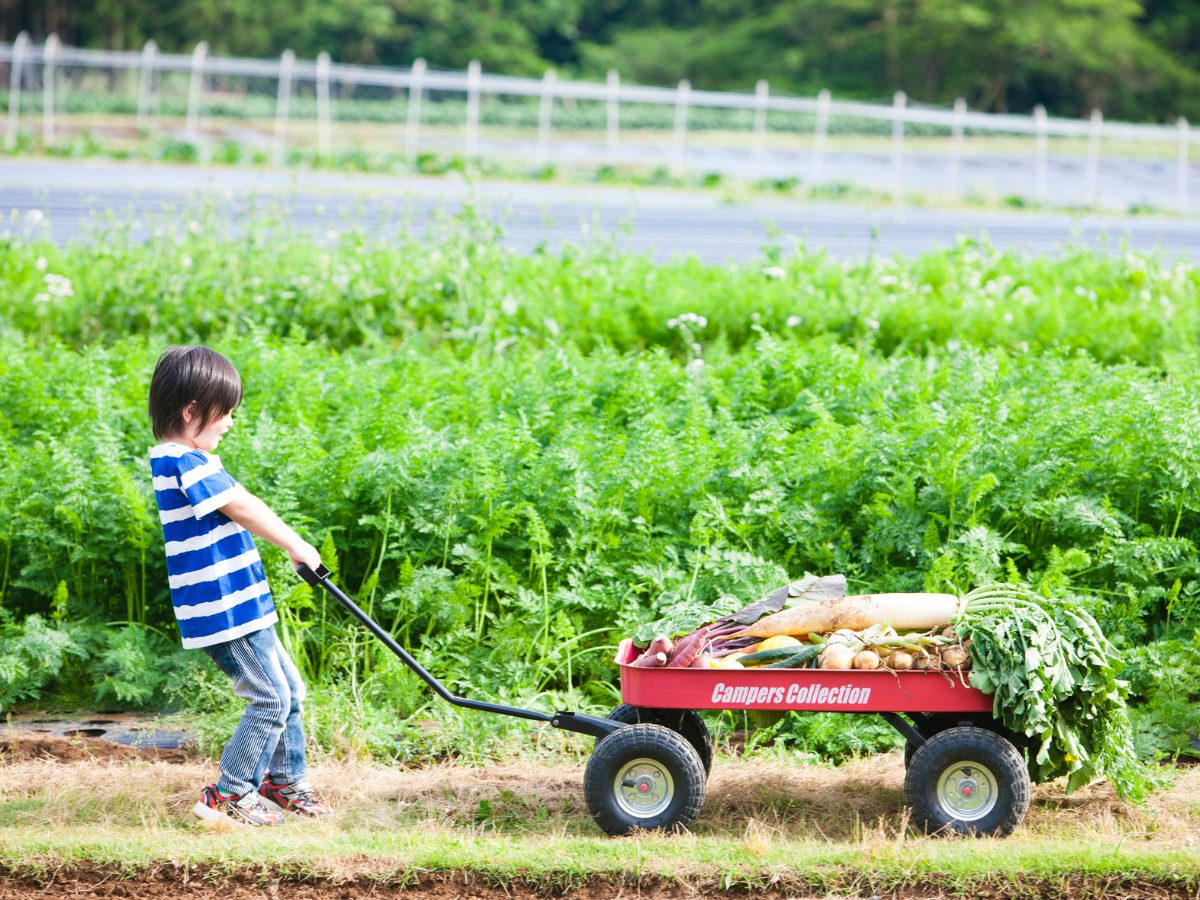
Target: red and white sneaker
[248, 809]
[298, 797]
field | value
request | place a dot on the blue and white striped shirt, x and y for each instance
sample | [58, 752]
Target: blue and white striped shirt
[218, 585]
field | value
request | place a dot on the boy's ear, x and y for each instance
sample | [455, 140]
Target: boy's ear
[189, 413]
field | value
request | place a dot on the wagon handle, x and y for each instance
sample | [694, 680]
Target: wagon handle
[569, 721]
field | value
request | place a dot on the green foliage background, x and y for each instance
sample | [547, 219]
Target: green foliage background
[513, 460]
[1133, 60]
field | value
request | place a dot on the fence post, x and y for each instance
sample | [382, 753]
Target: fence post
[416, 77]
[1181, 171]
[145, 82]
[283, 102]
[20, 46]
[761, 96]
[614, 113]
[681, 113]
[899, 102]
[545, 112]
[474, 79]
[1039, 144]
[194, 85]
[324, 136]
[1091, 174]
[957, 126]
[49, 59]
[824, 99]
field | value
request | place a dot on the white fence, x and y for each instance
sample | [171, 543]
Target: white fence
[897, 147]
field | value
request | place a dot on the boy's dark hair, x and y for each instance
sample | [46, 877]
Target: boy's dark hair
[187, 374]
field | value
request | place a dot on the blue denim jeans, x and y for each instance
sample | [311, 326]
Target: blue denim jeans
[269, 737]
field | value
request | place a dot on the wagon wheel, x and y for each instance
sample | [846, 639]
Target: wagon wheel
[643, 776]
[934, 723]
[684, 721]
[967, 780]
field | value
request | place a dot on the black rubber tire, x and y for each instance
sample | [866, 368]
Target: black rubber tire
[956, 749]
[684, 721]
[665, 750]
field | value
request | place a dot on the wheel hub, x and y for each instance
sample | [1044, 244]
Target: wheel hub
[643, 788]
[967, 791]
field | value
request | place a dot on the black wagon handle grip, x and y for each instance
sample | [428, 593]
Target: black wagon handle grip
[313, 577]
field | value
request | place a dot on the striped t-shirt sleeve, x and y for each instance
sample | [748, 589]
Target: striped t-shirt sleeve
[205, 483]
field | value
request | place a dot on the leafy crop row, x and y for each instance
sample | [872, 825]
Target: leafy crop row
[458, 284]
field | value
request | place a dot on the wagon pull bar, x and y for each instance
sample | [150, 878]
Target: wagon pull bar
[568, 721]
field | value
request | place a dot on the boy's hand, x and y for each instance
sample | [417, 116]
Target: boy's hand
[305, 553]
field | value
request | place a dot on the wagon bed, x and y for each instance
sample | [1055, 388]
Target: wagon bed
[824, 690]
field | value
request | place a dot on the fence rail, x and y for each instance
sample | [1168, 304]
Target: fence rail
[34, 69]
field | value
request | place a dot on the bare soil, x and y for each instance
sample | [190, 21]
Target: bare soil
[90, 881]
[18, 745]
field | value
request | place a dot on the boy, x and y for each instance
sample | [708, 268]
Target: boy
[219, 589]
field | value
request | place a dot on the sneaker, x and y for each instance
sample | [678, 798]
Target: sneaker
[298, 797]
[247, 809]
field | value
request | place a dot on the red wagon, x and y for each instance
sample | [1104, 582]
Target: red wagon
[964, 771]
[653, 753]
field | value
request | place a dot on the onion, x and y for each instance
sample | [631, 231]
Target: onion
[866, 659]
[900, 660]
[955, 657]
[837, 657]
[923, 660]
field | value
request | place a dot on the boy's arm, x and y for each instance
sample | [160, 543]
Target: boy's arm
[256, 517]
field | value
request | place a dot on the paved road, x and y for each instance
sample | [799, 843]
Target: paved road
[75, 196]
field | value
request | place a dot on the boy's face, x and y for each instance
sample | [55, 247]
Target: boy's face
[210, 435]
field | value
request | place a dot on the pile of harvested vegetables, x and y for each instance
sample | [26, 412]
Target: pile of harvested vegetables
[1052, 673]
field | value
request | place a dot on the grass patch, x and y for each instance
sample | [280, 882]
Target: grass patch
[522, 822]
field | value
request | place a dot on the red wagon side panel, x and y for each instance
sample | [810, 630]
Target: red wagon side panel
[806, 689]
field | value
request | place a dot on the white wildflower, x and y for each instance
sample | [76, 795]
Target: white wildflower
[887, 280]
[775, 272]
[509, 305]
[793, 321]
[185, 261]
[35, 216]
[41, 264]
[872, 324]
[193, 227]
[58, 286]
[696, 365]
[687, 319]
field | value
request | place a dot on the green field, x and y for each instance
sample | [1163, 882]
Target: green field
[514, 460]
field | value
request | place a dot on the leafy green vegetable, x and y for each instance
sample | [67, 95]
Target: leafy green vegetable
[1054, 678]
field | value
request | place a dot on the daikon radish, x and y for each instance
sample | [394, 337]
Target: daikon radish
[917, 612]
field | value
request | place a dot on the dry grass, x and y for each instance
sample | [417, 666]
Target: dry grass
[757, 803]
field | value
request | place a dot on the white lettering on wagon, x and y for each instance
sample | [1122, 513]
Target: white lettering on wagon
[796, 694]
